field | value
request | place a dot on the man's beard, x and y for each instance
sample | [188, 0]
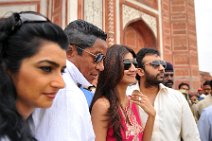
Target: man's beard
[151, 80]
[169, 83]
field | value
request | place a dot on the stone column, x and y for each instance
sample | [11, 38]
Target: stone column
[180, 43]
[110, 25]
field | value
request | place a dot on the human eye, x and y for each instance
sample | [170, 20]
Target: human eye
[46, 68]
[63, 70]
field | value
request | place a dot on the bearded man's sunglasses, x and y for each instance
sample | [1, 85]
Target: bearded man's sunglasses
[156, 64]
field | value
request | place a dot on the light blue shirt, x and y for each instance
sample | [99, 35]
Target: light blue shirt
[88, 95]
[205, 124]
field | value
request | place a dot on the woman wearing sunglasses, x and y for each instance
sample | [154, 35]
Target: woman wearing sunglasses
[114, 115]
[32, 58]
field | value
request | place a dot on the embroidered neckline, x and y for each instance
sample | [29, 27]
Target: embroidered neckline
[126, 113]
[132, 127]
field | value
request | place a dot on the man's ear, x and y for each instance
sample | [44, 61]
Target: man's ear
[70, 51]
[140, 72]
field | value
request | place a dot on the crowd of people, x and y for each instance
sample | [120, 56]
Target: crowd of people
[200, 103]
[68, 85]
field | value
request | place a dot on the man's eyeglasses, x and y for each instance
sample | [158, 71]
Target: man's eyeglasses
[128, 63]
[97, 58]
[156, 64]
[28, 17]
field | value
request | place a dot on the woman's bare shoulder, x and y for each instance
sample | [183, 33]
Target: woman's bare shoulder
[101, 105]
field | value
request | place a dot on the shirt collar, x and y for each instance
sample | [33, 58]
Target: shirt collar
[163, 88]
[76, 75]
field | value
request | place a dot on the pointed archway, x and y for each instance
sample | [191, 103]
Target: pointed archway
[138, 35]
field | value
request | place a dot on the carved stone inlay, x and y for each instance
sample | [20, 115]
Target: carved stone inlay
[111, 34]
[150, 3]
[130, 14]
[93, 12]
[7, 10]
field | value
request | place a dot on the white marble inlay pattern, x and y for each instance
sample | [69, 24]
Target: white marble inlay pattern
[7, 10]
[93, 12]
[130, 14]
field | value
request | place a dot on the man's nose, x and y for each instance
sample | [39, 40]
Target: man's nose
[100, 66]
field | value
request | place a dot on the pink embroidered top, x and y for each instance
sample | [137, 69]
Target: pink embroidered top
[130, 120]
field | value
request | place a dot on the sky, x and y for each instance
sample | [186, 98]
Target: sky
[203, 12]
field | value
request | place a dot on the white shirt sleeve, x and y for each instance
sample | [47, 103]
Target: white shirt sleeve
[174, 120]
[67, 120]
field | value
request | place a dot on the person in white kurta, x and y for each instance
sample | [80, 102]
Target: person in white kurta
[69, 119]
[174, 120]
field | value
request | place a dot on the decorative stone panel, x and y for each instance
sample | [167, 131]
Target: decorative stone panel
[150, 3]
[110, 21]
[8, 7]
[93, 12]
[130, 14]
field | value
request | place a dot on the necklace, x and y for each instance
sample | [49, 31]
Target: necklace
[126, 113]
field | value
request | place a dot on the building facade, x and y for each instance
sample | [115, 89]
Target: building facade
[167, 25]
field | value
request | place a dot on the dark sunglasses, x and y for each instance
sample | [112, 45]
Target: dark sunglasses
[28, 17]
[97, 58]
[128, 63]
[156, 64]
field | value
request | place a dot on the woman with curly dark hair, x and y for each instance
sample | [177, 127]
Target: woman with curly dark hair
[32, 58]
[115, 116]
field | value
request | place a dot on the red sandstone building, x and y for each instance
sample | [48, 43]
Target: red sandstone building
[168, 25]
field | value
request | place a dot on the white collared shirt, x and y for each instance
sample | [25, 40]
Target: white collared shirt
[174, 119]
[68, 119]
